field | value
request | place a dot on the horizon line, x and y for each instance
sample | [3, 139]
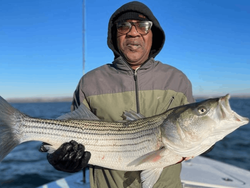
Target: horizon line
[69, 99]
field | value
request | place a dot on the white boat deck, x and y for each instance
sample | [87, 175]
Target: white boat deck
[199, 172]
[204, 172]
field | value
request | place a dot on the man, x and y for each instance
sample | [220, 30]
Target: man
[134, 81]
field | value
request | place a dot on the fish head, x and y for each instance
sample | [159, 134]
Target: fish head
[191, 129]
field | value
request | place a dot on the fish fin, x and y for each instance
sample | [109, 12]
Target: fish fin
[149, 177]
[132, 115]
[8, 133]
[82, 112]
[149, 157]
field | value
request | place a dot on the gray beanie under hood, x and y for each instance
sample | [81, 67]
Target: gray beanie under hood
[158, 33]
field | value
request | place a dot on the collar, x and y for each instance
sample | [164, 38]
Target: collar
[121, 65]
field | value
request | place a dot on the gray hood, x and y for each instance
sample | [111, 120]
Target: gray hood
[158, 33]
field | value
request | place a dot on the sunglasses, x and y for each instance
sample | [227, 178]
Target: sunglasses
[142, 27]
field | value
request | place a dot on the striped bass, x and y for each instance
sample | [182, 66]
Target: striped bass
[137, 144]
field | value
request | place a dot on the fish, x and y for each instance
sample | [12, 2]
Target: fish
[138, 143]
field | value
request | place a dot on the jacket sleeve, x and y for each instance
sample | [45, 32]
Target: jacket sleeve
[189, 93]
[78, 96]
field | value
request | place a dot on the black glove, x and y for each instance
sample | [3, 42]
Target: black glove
[69, 157]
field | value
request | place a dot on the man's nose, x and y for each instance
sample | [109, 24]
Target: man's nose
[133, 31]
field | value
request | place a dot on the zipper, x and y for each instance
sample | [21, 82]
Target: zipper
[136, 91]
[170, 102]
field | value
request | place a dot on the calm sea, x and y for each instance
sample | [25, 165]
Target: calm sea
[26, 167]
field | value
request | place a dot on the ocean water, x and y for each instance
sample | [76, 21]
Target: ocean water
[26, 167]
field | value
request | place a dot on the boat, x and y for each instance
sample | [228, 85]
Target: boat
[199, 172]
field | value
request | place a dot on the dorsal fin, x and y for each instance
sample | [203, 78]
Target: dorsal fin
[80, 113]
[132, 115]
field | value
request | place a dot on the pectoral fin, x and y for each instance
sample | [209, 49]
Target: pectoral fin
[150, 157]
[149, 177]
[82, 112]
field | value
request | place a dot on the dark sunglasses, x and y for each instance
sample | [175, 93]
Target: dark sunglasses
[142, 27]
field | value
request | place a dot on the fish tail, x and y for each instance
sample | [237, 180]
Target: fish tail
[9, 137]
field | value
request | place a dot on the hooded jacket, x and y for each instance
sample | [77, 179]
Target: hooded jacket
[152, 89]
[158, 33]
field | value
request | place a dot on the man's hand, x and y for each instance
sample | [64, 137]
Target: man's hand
[188, 158]
[185, 159]
[69, 157]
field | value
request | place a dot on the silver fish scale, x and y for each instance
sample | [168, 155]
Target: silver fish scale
[109, 141]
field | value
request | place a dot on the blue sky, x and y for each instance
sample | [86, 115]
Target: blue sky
[41, 44]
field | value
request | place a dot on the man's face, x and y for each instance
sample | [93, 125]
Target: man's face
[134, 46]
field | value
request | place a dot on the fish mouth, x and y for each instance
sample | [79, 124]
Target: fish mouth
[227, 112]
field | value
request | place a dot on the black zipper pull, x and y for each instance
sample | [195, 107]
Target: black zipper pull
[135, 77]
[135, 74]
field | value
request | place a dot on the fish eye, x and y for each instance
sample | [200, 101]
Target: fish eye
[202, 110]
